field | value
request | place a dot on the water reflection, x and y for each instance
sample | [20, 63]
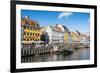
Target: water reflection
[80, 54]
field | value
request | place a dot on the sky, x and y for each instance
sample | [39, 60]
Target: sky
[74, 21]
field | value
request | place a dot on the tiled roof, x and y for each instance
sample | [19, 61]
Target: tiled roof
[55, 28]
[29, 22]
[58, 29]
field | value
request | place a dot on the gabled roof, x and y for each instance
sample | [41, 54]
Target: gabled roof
[66, 29]
[52, 28]
[58, 29]
[55, 28]
[27, 21]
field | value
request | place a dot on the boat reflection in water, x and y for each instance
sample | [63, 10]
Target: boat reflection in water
[79, 54]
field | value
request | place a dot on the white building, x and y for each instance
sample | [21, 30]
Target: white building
[56, 34]
[85, 37]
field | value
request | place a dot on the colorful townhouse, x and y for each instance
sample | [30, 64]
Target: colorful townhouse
[55, 33]
[30, 30]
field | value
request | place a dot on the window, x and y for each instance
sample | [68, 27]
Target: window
[24, 33]
[27, 39]
[33, 28]
[37, 34]
[27, 33]
[30, 28]
[30, 34]
[33, 34]
[24, 39]
[24, 27]
[27, 27]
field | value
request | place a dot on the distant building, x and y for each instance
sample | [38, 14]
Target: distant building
[85, 37]
[30, 30]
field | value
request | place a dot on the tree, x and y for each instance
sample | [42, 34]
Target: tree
[45, 38]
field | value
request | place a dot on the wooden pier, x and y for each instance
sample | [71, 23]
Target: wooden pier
[27, 51]
[51, 49]
[35, 51]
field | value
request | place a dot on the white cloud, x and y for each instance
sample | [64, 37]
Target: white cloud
[65, 14]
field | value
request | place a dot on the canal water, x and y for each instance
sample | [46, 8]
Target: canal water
[79, 54]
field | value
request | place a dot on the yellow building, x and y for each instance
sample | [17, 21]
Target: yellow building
[66, 37]
[31, 30]
[75, 37]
